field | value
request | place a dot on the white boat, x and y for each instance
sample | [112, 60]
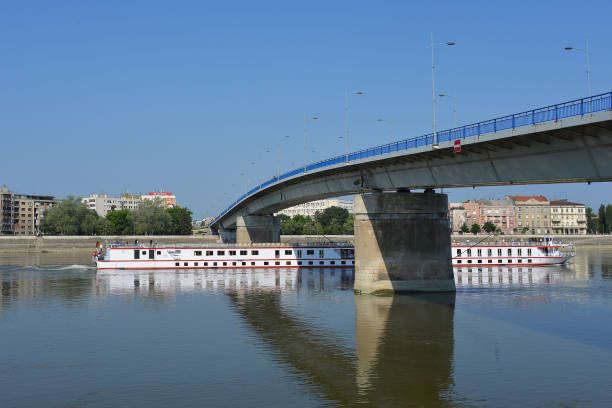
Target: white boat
[541, 252]
[117, 256]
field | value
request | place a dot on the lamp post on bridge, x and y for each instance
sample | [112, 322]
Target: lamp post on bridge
[313, 118]
[435, 144]
[346, 119]
[454, 106]
[588, 63]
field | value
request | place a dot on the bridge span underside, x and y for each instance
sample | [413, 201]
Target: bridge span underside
[572, 150]
[402, 239]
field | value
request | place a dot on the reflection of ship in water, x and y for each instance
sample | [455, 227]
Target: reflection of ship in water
[507, 276]
[175, 281]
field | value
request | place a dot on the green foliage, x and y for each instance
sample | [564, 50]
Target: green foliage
[181, 220]
[298, 225]
[331, 221]
[592, 221]
[603, 224]
[465, 228]
[150, 218]
[475, 229]
[71, 217]
[525, 229]
[489, 227]
[119, 222]
[609, 218]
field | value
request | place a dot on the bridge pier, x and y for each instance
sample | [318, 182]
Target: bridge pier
[257, 229]
[402, 243]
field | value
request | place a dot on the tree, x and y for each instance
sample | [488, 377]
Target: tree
[349, 225]
[489, 227]
[475, 228]
[525, 229]
[603, 220]
[332, 220]
[181, 220]
[71, 217]
[464, 228]
[119, 222]
[609, 218]
[150, 218]
[592, 221]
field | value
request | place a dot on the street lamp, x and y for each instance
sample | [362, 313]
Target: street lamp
[454, 107]
[313, 118]
[278, 140]
[588, 63]
[346, 119]
[435, 144]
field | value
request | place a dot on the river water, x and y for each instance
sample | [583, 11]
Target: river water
[74, 337]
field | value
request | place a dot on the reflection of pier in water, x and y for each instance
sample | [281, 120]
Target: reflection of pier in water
[493, 276]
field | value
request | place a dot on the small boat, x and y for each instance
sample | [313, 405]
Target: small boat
[542, 252]
[118, 256]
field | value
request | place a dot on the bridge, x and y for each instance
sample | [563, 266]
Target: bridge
[402, 240]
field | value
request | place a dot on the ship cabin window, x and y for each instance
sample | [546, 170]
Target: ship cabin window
[195, 264]
[499, 252]
[353, 262]
[299, 262]
[469, 252]
[520, 261]
[479, 251]
[310, 252]
[459, 261]
[489, 252]
[254, 252]
[158, 252]
[144, 252]
[277, 263]
[529, 261]
[288, 263]
[321, 262]
[490, 261]
[220, 252]
[288, 252]
[480, 261]
[232, 253]
[299, 253]
[469, 261]
[509, 251]
[500, 261]
[321, 253]
[277, 253]
[151, 254]
[176, 264]
[529, 252]
[197, 253]
[343, 262]
[244, 252]
[352, 252]
[205, 263]
[459, 252]
[252, 263]
[266, 263]
[332, 263]
[136, 254]
[519, 252]
[184, 263]
[309, 262]
[244, 264]
[209, 253]
[233, 263]
[214, 264]
[224, 263]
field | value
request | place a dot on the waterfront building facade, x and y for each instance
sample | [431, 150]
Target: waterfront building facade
[20, 214]
[499, 212]
[567, 218]
[309, 209]
[167, 198]
[102, 204]
[532, 214]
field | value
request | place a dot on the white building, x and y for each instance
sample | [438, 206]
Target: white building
[309, 209]
[102, 204]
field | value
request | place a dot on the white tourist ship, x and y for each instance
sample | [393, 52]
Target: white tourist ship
[537, 252]
[122, 256]
[118, 256]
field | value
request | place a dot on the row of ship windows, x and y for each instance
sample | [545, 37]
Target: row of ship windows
[265, 263]
[491, 261]
[344, 253]
[490, 252]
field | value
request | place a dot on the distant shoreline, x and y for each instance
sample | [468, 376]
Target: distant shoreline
[87, 244]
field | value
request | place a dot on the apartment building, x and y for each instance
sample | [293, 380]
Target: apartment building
[20, 214]
[567, 218]
[532, 214]
[309, 209]
[102, 204]
[499, 212]
[6, 210]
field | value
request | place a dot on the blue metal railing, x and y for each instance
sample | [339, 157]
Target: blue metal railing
[578, 107]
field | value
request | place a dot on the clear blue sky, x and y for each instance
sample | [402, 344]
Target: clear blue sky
[116, 96]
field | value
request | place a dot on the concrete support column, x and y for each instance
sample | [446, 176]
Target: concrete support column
[402, 243]
[257, 229]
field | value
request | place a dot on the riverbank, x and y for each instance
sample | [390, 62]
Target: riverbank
[84, 245]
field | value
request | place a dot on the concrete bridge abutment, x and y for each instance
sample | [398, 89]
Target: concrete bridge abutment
[402, 243]
[257, 229]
